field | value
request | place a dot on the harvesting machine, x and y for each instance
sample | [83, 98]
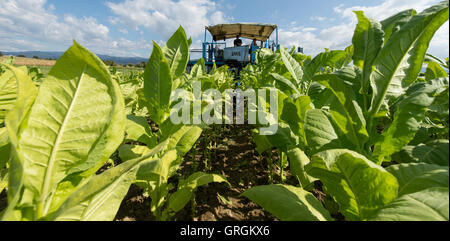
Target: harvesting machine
[215, 50]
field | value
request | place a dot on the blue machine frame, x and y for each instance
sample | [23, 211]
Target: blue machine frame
[208, 49]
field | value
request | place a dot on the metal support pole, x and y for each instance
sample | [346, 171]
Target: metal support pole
[277, 39]
[204, 47]
[204, 51]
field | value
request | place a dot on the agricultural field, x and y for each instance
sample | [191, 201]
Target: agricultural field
[358, 134]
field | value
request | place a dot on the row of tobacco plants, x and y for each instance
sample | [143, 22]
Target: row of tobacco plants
[58, 134]
[362, 125]
[373, 134]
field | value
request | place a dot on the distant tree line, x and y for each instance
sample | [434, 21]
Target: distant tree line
[112, 63]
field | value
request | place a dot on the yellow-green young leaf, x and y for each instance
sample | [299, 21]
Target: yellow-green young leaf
[77, 121]
[407, 118]
[358, 185]
[414, 177]
[176, 52]
[427, 205]
[183, 195]
[367, 42]
[198, 70]
[400, 61]
[157, 86]
[288, 203]
[434, 71]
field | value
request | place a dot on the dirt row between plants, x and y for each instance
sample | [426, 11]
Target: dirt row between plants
[236, 159]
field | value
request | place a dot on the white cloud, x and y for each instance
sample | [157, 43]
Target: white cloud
[30, 25]
[122, 30]
[385, 9]
[318, 18]
[163, 17]
[339, 36]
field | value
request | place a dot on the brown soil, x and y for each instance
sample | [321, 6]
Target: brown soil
[236, 159]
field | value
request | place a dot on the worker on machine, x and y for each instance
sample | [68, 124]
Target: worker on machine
[253, 47]
[237, 41]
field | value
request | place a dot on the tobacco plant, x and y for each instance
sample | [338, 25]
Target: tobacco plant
[352, 126]
[55, 138]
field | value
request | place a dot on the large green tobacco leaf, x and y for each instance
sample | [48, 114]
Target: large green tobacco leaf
[393, 24]
[137, 129]
[176, 52]
[284, 84]
[293, 67]
[26, 94]
[320, 134]
[427, 205]
[433, 152]
[358, 185]
[294, 113]
[158, 86]
[283, 137]
[400, 61]
[367, 42]
[414, 177]
[100, 197]
[8, 96]
[320, 96]
[407, 118]
[183, 195]
[5, 147]
[297, 162]
[77, 121]
[8, 93]
[325, 59]
[345, 110]
[288, 203]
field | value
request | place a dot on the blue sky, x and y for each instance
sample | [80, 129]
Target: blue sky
[127, 27]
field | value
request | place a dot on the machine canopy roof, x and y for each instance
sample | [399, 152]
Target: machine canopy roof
[256, 31]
